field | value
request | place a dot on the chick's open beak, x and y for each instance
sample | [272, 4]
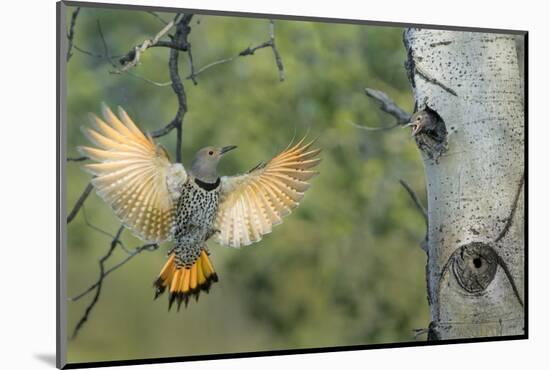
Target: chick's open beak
[226, 149]
[415, 126]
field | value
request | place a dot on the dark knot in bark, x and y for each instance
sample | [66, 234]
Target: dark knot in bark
[474, 266]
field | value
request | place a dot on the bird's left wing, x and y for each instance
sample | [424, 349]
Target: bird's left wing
[251, 204]
[133, 175]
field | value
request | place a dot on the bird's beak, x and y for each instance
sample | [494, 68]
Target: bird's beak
[228, 148]
[415, 126]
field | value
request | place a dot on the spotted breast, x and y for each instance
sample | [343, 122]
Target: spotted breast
[195, 214]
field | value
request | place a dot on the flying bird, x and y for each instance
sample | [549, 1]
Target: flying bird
[162, 201]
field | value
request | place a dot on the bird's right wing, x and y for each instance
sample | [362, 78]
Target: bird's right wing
[251, 204]
[134, 175]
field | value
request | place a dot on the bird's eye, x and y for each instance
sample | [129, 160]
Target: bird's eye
[418, 118]
[210, 152]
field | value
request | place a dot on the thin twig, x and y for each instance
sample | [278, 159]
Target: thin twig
[192, 74]
[278, 59]
[100, 230]
[70, 34]
[105, 46]
[270, 43]
[80, 202]
[132, 254]
[381, 128]
[155, 83]
[248, 51]
[418, 332]
[209, 65]
[92, 54]
[422, 209]
[77, 159]
[83, 51]
[158, 17]
[416, 200]
[110, 58]
[251, 50]
[88, 310]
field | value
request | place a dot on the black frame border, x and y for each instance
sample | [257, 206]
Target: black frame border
[61, 340]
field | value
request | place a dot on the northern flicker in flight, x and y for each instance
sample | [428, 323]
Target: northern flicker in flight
[162, 201]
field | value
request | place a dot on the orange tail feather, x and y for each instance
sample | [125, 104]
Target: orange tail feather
[183, 282]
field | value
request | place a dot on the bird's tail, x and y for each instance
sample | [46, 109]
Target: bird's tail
[183, 282]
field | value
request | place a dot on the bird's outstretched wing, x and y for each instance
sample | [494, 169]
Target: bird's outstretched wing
[134, 175]
[251, 204]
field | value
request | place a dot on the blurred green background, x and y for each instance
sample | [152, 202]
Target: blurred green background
[344, 269]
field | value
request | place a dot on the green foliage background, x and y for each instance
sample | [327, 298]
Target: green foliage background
[344, 269]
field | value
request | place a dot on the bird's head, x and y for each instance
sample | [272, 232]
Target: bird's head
[426, 120]
[205, 164]
[419, 121]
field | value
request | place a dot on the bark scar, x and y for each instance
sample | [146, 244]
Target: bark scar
[510, 218]
[428, 77]
[470, 280]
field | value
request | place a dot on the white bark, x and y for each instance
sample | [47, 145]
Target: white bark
[475, 270]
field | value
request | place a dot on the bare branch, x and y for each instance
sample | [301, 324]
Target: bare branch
[80, 202]
[110, 58]
[251, 50]
[270, 43]
[163, 131]
[180, 38]
[192, 74]
[170, 45]
[84, 318]
[278, 58]
[131, 59]
[70, 34]
[388, 105]
[248, 51]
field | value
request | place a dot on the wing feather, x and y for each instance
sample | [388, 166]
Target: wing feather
[132, 175]
[251, 204]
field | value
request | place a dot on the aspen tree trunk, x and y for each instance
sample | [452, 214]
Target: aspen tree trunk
[474, 174]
